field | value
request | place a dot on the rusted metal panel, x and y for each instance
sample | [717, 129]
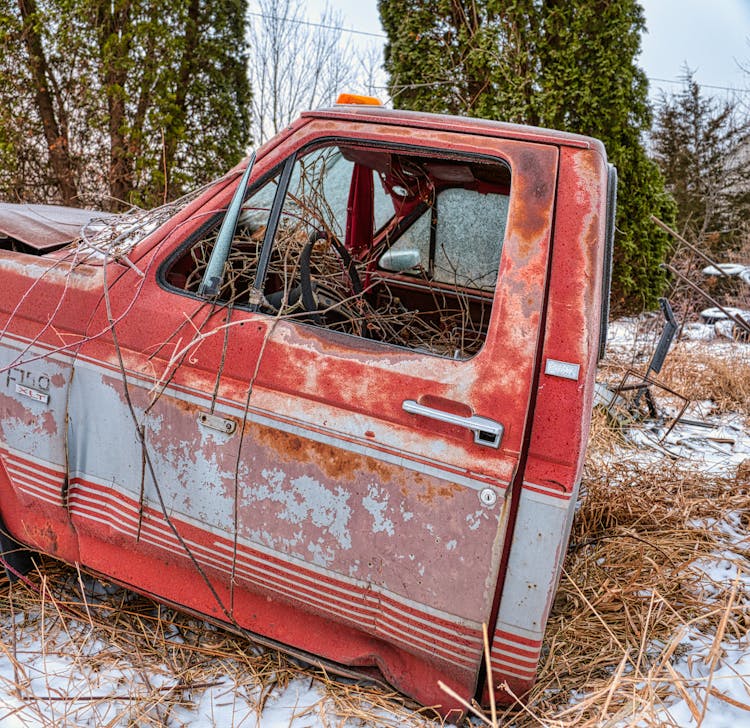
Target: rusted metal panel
[411, 121]
[561, 419]
[270, 464]
[558, 440]
[43, 227]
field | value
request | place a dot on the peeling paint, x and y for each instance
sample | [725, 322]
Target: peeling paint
[377, 509]
[306, 499]
[475, 519]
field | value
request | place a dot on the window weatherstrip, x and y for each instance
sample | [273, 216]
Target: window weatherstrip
[433, 234]
[256, 294]
[211, 283]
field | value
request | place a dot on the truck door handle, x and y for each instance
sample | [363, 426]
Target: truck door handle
[486, 432]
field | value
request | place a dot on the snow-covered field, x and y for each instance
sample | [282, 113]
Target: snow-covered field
[710, 668]
[76, 652]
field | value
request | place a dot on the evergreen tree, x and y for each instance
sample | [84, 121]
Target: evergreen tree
[117, 102]
[564, 64]
[702, 147]
[461, 57]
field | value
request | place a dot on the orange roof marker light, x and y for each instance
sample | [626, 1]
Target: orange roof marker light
[358, 99]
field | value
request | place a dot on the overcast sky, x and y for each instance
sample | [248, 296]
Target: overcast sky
[711, 36]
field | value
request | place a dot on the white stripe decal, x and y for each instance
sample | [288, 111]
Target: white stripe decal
[500, 653]
[458, 644]
[122, 516]
[510, 669]
[44, 498]
[547, 494]
[283, 565]
[347, 610]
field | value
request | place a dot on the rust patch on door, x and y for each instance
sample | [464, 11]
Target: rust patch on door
[449, 490]
[336, 463]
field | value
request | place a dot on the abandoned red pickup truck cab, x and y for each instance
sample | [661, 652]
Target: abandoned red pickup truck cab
[338, 400]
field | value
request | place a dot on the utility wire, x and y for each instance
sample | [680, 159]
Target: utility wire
[318, 25]
[341, 29]
[703, 85]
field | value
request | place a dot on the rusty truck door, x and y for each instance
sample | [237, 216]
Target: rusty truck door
[373, 479]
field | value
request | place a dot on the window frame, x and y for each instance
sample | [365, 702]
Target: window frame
[283, 171]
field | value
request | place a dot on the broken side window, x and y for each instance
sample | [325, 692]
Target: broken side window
[458, 215]
[390, 245]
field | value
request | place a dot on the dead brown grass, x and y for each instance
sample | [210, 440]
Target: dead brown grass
[165, 660]
[633, 587]
[699, 374]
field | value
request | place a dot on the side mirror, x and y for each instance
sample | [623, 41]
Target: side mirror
[399, 260]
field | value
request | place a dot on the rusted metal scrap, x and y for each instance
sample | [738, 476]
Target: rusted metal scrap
[43, 227]
[740, 318]
[631, 401]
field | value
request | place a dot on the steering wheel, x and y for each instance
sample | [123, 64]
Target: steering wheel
[312, 291]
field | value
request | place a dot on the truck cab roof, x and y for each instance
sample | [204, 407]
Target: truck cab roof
[445, 122]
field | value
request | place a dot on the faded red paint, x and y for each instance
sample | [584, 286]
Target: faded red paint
[331, 521]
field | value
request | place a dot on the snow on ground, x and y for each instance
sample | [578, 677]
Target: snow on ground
[721, 442]
[65, 674]
[715, 666]
[718, 450]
